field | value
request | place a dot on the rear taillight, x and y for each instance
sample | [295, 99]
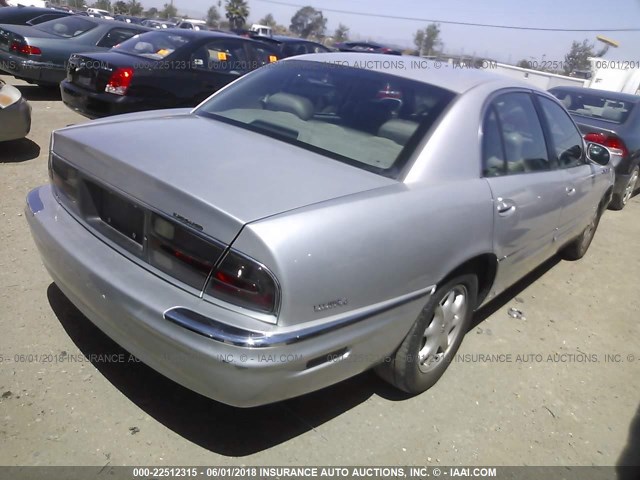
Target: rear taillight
[612, 142]
[244, 282]
[181, 253]
[65, 178]
[119, 81]
[24, 49]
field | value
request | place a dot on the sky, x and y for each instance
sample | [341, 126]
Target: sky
[505, 45]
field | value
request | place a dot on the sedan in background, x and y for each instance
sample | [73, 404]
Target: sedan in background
[15, 113]
[366, 47]
[40, 54]
[157, 23]
[291, 46]
[296, 229]
[160, 69]
[29, 15]
[611, 119]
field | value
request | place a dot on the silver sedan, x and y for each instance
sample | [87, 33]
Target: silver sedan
[15, 113]
[319, 217]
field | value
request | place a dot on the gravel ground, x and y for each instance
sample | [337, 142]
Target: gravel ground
[564, 392]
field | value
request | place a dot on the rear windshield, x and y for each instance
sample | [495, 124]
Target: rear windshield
[368, 119]
[595, 105]
[67, 27]
[154, 45]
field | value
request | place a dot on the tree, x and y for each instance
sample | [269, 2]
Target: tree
[237, 12]
[308, 22]
[169, 11]
[341, 34]
[578, 56]
[428, 40]
[268, 20]
[103, 5]
[151, 13]
[213, 16]
[120, 7]
[135, 8]
[78, 4]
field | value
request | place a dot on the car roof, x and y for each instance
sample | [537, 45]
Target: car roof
[285, 39]
[195, 34]
[439, 74]
[627, 97]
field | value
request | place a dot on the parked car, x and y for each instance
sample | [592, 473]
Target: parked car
[99, 13]
[29, 15]
[40, 54]
[296, 229]
[291, 46]
[366, 47]
[160, 69]
[157, 23]
[15, 113]
[192, 24]
[611, 119]
[129, 19]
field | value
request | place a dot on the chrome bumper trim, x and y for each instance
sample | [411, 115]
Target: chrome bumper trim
[224, 333]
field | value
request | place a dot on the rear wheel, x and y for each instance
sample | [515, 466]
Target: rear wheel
[620, 201]
[434, 338]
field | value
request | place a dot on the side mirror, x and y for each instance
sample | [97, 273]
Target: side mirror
[598, 154]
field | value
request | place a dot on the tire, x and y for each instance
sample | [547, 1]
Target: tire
[427, 350]
[578, 247]
[618, 202]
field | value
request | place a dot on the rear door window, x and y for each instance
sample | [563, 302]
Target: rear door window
[116, 36]
[221, 56]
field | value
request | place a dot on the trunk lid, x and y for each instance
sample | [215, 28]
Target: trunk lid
[204, 172]
[92, 71]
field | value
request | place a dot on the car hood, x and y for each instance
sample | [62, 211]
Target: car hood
[206, 172]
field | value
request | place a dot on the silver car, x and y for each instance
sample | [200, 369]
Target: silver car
[319, 217]
[15, 113]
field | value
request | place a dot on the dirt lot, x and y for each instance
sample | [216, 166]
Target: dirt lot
[554, 398]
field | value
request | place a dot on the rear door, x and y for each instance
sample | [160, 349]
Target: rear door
[584, 182]
[527, 192]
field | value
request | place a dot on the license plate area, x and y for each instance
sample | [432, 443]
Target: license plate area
[118, 214]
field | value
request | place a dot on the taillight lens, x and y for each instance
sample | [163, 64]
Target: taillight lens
[24, 49]
[65, 178]
[181, 253]
[119, 81]
[244, 282]
[612, 142]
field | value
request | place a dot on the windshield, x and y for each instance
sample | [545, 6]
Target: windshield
[369, 119]
[154, 45]
[595, 105]
[66, 27]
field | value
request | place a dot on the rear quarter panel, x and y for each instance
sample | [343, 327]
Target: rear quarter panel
[371, 247]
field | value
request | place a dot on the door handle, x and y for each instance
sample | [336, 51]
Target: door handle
[505, 207]
[570, 191]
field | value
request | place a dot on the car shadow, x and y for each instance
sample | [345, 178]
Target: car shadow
[212, 425]
[36, 93]
[628, 466]
[15, 151]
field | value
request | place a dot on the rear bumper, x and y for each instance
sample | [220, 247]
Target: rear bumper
[101, 104]
[34, 71]
[203, 346]
[15, 121]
